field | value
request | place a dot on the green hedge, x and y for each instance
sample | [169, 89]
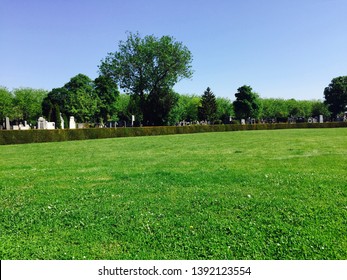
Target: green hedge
[38, 136]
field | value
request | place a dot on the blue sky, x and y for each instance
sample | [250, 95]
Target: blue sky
[282, 49]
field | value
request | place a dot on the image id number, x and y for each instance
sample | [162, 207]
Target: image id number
[220, 271]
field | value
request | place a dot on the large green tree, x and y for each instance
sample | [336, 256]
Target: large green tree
[57, 97]
[186, 109]
[336, 95]
[158, 106]
[108, 93]
[6, 103]
[225, 109]
[299, 108]
[148, 68]
[208, 108]
[320, 108]
[281, 109]
[82, 99]
[123, 108]
[247, 103]
[76, 98]
[275, 109]
[27, 104]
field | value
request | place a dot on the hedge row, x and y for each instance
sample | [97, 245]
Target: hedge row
[37, 136]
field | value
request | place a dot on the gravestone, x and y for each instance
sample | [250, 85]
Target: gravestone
[50, 125]
[7, 123]
[72, 123]
[25, 126]
[243, 121]
[320, 118]
[41, 123]
[61, 121]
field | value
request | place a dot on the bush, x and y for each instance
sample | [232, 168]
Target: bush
[37, 136]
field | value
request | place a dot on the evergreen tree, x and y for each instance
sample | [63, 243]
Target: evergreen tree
[208, 108]
[57, 116]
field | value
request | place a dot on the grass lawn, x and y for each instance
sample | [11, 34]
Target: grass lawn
[279, 194]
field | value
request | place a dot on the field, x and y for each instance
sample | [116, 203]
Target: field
[231, 195]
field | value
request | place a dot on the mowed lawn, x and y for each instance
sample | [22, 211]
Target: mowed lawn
[279, 194]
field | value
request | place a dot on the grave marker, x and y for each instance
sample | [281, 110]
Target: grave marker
[7, 123]
[72, 123]
[61, 121]
[41, 123]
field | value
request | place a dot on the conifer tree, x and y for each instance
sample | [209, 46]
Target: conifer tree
[208, 108]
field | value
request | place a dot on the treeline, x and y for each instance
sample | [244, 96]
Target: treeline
[21, 104]
[146, 69]
[99, 102]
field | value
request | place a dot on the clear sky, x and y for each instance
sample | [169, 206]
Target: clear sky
[281, 48]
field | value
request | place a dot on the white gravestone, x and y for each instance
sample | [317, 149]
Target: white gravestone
[41, 123]
[61, 121]
[7, 124]
[320, 118]
[50, 125]
[25, 126]
[72, 123]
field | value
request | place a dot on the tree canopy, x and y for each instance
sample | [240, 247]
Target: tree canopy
[107, 91]
[83, 98]
[186, 109]
[280, 110]
[27, 104]
[83, 101]
[225, 109]
[148, 68]
[6, 103]
[76, 98]
[336, 95]
[247, 103]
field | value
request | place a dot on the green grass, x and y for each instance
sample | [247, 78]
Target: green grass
[233, 195]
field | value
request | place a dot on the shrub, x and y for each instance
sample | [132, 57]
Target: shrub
[36, 136]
